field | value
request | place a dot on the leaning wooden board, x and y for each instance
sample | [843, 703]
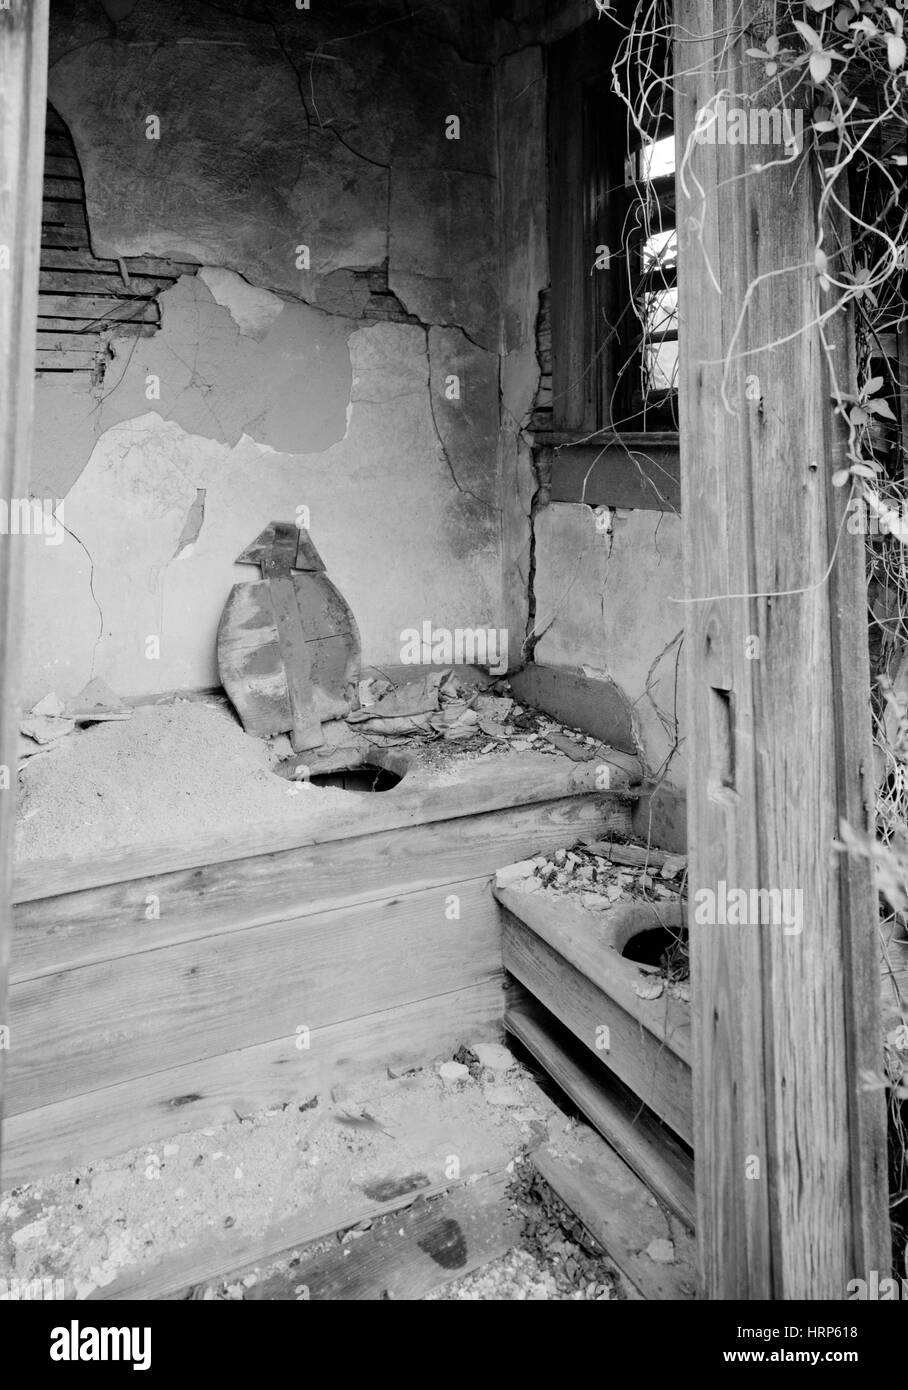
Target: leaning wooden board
[249, 653]
[262, 670]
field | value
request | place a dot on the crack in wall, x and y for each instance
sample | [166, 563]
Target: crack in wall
[357, 154]
[441, 443]
[542, 471]
[541, 465]
[91, 587]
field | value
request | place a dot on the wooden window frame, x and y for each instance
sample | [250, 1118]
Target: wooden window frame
[592, 461]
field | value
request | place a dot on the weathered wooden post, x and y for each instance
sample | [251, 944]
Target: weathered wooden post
[23, 88]
[790, 1146]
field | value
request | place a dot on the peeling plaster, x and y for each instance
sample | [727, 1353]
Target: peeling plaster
[252, 310]
[191, 526]
[391, 526]
[288, 389]
[325, 129]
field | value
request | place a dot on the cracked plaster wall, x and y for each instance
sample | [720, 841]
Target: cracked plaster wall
[583, 601]
[604, 605]
[267, 387]
[525, 272]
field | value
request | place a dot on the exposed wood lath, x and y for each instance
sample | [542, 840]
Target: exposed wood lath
[83, 301]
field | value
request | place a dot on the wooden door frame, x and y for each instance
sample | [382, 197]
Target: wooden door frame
[790, 1143]
[23, 98]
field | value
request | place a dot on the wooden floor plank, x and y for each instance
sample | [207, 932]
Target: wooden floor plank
[229, 1250]
[616, 1208]
[405, 1256]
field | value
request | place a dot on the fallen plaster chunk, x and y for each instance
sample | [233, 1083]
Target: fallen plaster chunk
[495, 1056]
[95, 703]
[252, 310]
[46, 728]
[661, 1252]
[50, 707]
[512, 873]
[452, 1073]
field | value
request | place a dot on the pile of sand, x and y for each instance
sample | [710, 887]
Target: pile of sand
[173, 770]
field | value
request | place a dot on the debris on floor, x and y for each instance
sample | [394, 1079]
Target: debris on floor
[556, 1257]
[404, 1254]
[96, 703]
[52, 719]
[184, 766]
[505, 1236]
[146, 1221]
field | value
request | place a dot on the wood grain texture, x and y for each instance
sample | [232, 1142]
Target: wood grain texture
[293, 643]
[79, 1030]
[62, 280]
[493, 783]
[637, 1053]
[785, 1023]
[647, 1147]
[585, 940]
[410, 1254]
[232, 1250]
[645, 476]
[250, 646]
[616, 1208]
[162, 271]
[214, 1090]
[23, 62]
[55, 360]
[573, 387]
[75, 237]
[96, 307]
[97, 924]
